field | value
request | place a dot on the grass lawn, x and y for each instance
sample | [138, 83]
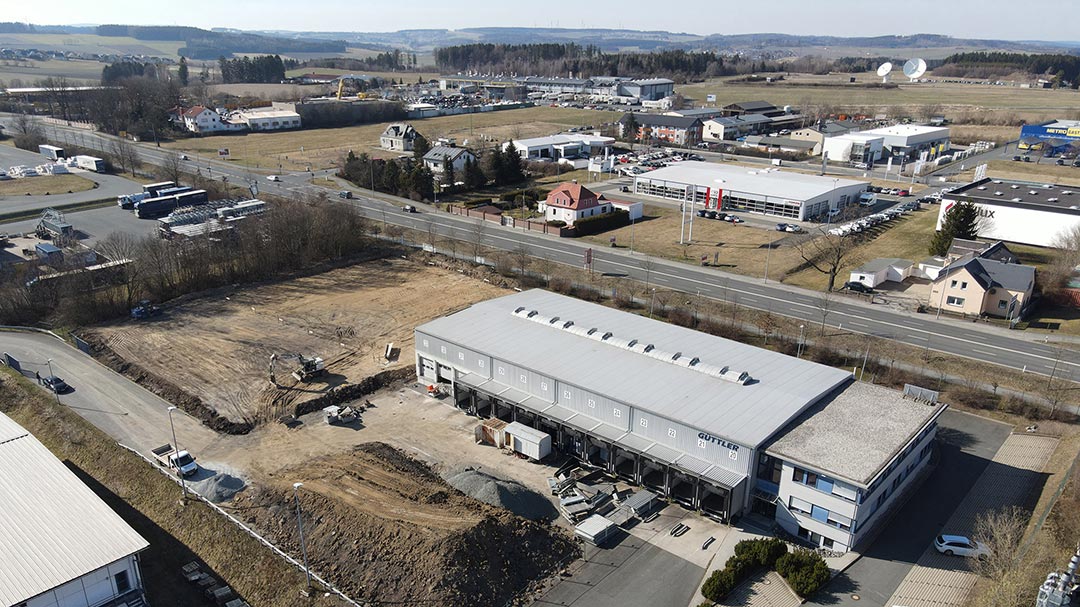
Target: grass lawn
[1043, 172]
[45, 184]
[92, 43]
[322, 148]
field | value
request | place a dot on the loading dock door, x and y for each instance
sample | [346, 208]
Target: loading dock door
[427, 369]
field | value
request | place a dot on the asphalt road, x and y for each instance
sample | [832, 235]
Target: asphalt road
[974, 341]
[123, 410]
[109, 186]
[966, 444]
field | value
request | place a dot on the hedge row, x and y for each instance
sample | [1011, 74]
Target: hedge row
[531, 194]
[804, 570]
[601, 223]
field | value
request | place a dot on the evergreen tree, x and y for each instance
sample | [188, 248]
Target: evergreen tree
[182, 72]
[512, 167]
[391, 178]
[474, 175]
[422, 183]
[420, 147]
[961, 221]
[447, 171]
[630, 127]
[496, 166]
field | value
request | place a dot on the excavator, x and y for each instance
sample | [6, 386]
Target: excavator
[309, 368]
[352, 78]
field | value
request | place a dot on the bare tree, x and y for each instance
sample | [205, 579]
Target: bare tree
[432, 233]
[126, 155]
[120, 246]
[1001, 532]
[648, 265]
[828, 253]
[478, 232]
[521, 255]
[28, 132]
[172, 168]
[824, 306]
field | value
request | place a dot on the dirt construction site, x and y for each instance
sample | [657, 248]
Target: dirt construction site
[217, 346]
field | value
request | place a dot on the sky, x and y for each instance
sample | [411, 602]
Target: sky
[996, 19]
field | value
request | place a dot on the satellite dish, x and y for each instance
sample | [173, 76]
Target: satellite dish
[883, 71]
[914, 69]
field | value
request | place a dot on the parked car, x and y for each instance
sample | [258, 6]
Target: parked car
[1016, 159]
[1076, 163]
[625, 188]
[958, 545]
[1060, 162]
[861, 165]
[858, 287]
[903, 193]
[711, 214]
[346, 194]
[1027, 158]
[735, 219]
[274, 178]
[55, 384]
[781, 227]
[409, 208]
[721, 216]
[793, 227]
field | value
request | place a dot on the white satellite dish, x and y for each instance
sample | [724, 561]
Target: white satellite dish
[883, 71]
[914, 68]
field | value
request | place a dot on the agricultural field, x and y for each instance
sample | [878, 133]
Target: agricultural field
[323, 148]
[92, 43]
[217, 346]
[408, 77]
[45, 184]
[956, 101]
[26, 73]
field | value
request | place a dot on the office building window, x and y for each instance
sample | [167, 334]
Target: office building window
[955, 301]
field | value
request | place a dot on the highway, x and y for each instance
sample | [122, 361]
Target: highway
[974, 341]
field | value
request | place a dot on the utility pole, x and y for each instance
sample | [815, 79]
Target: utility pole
[176, 451]
[300, 527]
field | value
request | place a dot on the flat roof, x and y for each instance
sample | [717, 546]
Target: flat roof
[767, 182]
[268, 113]
[908, 130]
[855, 434]
[584, 138]
[1007, 192]
[876, 265]
[54, 529]
[782, 386]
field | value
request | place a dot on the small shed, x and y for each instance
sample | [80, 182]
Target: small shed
[491, 432]
[596, 530]
[640, 503]
[532, 443]
[877, 271]
[635, 209]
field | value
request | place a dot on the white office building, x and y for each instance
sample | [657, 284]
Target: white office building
[855, 148]
[1037, 214]
[712, 424]
[906, 142]
[60, 545]
[771, 191]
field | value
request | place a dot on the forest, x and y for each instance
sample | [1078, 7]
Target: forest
[1062, 69]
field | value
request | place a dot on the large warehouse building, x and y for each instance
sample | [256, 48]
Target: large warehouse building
[765, 191]
[1019, 211]
[713, 424]
[1058, 137]
[906, 142]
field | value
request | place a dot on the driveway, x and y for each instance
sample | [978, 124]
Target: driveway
[966, 446]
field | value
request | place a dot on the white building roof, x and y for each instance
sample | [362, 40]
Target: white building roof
[766, 182]
[268, 113]
[908, 130]
[781, 388]
[861, 137]
[553, 140]
[53, 529]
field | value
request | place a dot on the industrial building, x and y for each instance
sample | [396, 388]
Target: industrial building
[857, 148]
[712, 424]
[1019, 211]
[766, 191]
[905, 142]
[1056, 138]
[566, 146]
[61, 545]
[601, 88]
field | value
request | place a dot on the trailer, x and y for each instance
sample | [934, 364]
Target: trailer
[531, 443]
[90, 163]
[152, 189]
[128, 201]
[173, 191]
[51, 152]
[152, 208]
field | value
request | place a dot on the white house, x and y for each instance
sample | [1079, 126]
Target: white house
[877, 271]
[61, 545]
[434, 159]
[269, 119]
[398, 137]
[570, 202]
[201, 119]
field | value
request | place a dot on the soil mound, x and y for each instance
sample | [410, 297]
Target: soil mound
[384, 527]
[508, 494]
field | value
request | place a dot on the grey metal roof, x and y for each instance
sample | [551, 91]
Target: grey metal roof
[876, 265]
[437, 152]
[678, 122]
[855, 434]
[1020, 194]
[992, 273]
[751, 106]
[724, 476]
[781, 388]
[53, 529]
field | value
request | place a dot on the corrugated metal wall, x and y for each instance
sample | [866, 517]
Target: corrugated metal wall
[454, 355]
[595, 406]
[526, 380]
[684, 438]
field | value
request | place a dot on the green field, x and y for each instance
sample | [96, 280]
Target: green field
[955, 100]
[90, 43]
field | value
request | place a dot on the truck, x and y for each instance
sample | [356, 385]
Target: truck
[128, 201]
[180, 463]
[90, 163]
[152, 189]
[173, 191]
[51, 152]
[152, 208]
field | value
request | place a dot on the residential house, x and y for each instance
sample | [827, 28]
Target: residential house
[675, 130]
[875, 272]
[61, 544]
[818, 132]
[570, 201]
[200, 119]
[730, 128]
[436, 158]
[398, 137]
[977, 286]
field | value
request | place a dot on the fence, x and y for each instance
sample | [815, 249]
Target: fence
[248, 530]
[528, 224]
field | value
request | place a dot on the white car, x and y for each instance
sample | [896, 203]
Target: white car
[958, 545]
[274, 178]
[791, 227]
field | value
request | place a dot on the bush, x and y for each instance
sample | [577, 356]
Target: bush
[601, 223]
[804, 570]
[970, 396]
[557, 223]
[763, 552]
[719, 584]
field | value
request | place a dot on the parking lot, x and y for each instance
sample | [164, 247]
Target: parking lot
[92, 225]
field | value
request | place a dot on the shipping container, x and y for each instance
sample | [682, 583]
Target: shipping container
[90, 163]
[531, 443]
[51, 152]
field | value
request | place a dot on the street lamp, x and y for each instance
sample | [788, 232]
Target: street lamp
[300, 527]
[55, 393]
[802, 329]
[176, 453]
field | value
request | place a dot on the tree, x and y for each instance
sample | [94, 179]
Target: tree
[182, 72]
[448, 177]
[828, 253]
[474, 175]
[172, 168]
[512, 169]
[28, 132]
[961, 221]
[496, 166]
[824, 306]
[420, 147]
[630, 128]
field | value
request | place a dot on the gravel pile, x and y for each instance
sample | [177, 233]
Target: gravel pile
[511, 495]
[218, 488]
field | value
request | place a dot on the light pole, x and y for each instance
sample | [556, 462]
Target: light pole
[300, 527]
[652, 300]
[802, 329]
[631, 235]
[176, 453]
[768, 254]
[55, 393]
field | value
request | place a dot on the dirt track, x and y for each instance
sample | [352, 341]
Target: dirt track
[424, 543]
[217, 346]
